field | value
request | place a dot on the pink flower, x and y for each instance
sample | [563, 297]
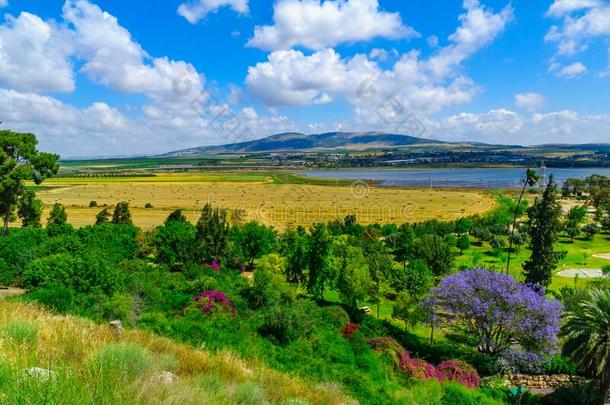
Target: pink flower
[215, 299]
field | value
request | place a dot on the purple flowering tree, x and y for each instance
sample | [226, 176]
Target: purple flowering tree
[215, 299]
[497, 310]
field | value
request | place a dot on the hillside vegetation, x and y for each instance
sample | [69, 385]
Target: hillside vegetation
[90, 364]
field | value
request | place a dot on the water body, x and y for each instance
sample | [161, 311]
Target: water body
[489, 178]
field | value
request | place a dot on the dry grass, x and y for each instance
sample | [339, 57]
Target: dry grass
[280, 205]
[67, 344]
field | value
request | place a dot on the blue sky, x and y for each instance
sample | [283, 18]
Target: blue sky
[106, 78]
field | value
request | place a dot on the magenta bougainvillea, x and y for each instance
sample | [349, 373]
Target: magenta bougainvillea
[450, 370]
[215, 266]
[350, 330]
[215, 299]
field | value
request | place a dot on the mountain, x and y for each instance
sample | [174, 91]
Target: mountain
[292, 141]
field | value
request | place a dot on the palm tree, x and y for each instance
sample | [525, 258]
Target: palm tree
[531, 178]
[587, 337]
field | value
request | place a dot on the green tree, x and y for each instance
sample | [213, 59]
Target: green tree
[574, 218]
[591, 230]
[253, 241]
[463, 243]
[586, 331]
[544, 225]
[122, 214]
[407, 308]
[403, 245]
[463, 225]
[175, 216]
[175, 245]
[20, 161]
[436, 253]
[354, 279]
[102, 217]
[531, 178]
[295, 248]
[320, 263]
[58, 215]
[212, 234]
[380, 268]
[29, 209]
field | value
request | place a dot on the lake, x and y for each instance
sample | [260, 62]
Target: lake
[458, 177]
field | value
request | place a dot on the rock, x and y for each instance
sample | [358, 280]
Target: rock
[41, 374]
[117, 326]
[164, 377]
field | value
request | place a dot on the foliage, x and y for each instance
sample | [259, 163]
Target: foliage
[122, 214]
[58, 215]
[353, 281]
[175, 216]
[437, 254]
[253, 241]
[586, 331]
[20, 333]
[497, 310]
[544, 225]
[320, 263]
[215, 299]
[295, 248]
[29, 209]
[212, 234]
[174, 245]
[103, 217]
[20, 161]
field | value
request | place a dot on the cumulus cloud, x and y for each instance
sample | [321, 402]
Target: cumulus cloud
[411, 85]
[114, 59]
[530, 101]
[197, 10]
[34, 55]
[571, 71]
[318, 24]
[506, 127]
[582, 22]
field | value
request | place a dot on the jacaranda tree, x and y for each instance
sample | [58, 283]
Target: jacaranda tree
[498, 310]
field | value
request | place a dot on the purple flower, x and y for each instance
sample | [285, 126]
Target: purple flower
[497, 310]
[215, 299]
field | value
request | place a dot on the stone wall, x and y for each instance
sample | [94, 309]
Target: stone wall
[543, 383]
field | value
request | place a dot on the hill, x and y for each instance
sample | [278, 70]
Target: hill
[65, 359]
[327, 141]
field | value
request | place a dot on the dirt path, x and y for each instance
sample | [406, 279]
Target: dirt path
[583, 273]
[605, 256]
[10, 292]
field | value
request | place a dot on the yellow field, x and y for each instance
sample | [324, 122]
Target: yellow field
[261, 199]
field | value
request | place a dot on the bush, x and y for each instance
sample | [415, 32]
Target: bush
[56, 297]
[121, 361]
[148, 206]
[119, 306]
[93, 204]
[560, 365]
[284, 324]
[21, 333]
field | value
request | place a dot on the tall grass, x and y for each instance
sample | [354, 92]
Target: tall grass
[90, 364]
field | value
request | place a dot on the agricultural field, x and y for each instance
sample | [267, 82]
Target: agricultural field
[277, 199]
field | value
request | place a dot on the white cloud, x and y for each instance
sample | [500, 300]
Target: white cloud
[316, 24]
[3, 3]
[196, 10]
[432, 41]
[506, 127]
[530, 101]
[582, 22]
[411, 85]
[34, 55]
[113, 59]
[571, 71]
[562, 7]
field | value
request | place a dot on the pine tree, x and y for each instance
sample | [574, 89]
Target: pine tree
[29, 209]
[212, 234]
[544, 226]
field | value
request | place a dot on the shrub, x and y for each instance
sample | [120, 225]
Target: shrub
[56, 297]
[215, 299]
[560, 365]
[21, 333]
[350, 330]
[93, 204]
[148, 206]
[249, 394]
[460, 372]
[122, 361]
[119, 306]
[334, 316]
[285, 324]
